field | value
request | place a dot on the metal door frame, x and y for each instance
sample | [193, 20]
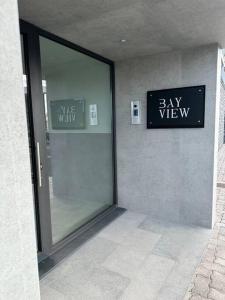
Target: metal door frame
[31, 36]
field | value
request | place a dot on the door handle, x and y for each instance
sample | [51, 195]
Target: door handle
[39, 165]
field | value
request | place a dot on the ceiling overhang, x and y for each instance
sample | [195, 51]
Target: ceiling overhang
[148, 26]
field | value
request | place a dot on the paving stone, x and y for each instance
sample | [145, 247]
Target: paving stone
[188, 296]
[221, 243]
[207, 265]
[218, 248]
[218, 282]
[168, 293]
[221, 253]
[220, 261]
[221, 224]
[104, 284]
[220, 207]
[209, 255]
[213, 241]
[218, 268]
[201, 286]
[214, 267]
[141, 241]
[216, 295]
[150, 279]
[125, 261]
[216, 230]
[211, 246]
[191, 286]
[222, 231]
[197, 297]
[48, 293]
[221, 237]
[203, 271]
[217, 223]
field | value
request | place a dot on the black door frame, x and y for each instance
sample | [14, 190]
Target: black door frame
[30, 124]
[31, 35]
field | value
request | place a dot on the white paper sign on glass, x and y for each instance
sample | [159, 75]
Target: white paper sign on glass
[93, 114]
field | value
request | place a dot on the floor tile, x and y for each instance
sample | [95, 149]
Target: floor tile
[134, 219]
[134, 257]
[102, 284]
[70, 291]
[79, 266]
[170, 245]
[106, 284]
[178, 241]
[125, 261]
[176, 284]
[141, 241]
[149, 279]
[48, 293]
[155, 225]
[97, 249]
[116, 231]
[168, 293]
[122, 227]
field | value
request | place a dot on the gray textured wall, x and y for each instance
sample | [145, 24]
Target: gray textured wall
[167, 173]
[18, 257]
[222, 111]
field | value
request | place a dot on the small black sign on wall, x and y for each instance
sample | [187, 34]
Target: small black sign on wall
[176, 108]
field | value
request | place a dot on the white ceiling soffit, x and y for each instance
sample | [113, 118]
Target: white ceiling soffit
[148, 26]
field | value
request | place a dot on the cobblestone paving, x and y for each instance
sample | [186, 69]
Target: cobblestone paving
[221, 166]
[209, 279]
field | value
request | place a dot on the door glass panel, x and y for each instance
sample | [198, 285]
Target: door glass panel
[78, 113]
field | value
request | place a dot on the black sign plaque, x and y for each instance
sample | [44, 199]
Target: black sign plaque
[176, 108]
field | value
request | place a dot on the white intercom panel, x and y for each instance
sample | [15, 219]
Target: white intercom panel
[93, 114]
[136, 112]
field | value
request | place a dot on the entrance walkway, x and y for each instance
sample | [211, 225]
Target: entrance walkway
[134, 257]
[209, 279]
[138, 258]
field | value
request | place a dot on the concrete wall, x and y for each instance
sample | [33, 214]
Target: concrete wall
[167, 173]
[18, 258]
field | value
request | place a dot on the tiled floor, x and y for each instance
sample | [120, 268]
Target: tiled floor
[134, 257]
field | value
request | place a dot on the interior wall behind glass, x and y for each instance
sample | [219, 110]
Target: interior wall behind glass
[88, 80]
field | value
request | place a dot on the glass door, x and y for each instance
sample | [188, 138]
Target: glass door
[72, 112]
[78, 114]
